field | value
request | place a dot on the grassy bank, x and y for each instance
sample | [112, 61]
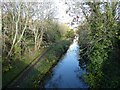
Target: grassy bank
[36, 75]
[19, 65]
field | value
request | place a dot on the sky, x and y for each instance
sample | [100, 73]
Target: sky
[63, 17]
[61, 9]
[61, 13]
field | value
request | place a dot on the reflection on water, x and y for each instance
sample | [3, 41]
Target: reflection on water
[67, 73]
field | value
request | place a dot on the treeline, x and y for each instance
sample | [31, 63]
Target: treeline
[100, 44]
[26, 28]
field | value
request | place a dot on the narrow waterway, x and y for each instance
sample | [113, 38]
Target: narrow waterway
[67, 73]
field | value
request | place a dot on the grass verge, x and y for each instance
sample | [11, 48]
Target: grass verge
[36, 75]
[19, 65]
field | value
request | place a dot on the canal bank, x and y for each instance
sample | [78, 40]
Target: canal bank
[37, 73]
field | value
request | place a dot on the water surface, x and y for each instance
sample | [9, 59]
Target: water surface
[67, 73]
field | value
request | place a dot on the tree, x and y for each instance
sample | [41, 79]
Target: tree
[101, 31]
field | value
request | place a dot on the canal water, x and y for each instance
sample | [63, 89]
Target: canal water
[67, 73]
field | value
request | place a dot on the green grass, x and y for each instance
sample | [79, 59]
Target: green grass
[18, 66]
[36, 75]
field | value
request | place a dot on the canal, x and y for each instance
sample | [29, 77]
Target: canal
[67, 73]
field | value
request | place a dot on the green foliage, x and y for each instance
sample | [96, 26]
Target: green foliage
[63, 28]
[70, 34]
[18, 45]
[99, 40]
[37, 74]
[52, 34]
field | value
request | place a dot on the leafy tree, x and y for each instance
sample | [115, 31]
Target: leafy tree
[70, 34]
[99, 42]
